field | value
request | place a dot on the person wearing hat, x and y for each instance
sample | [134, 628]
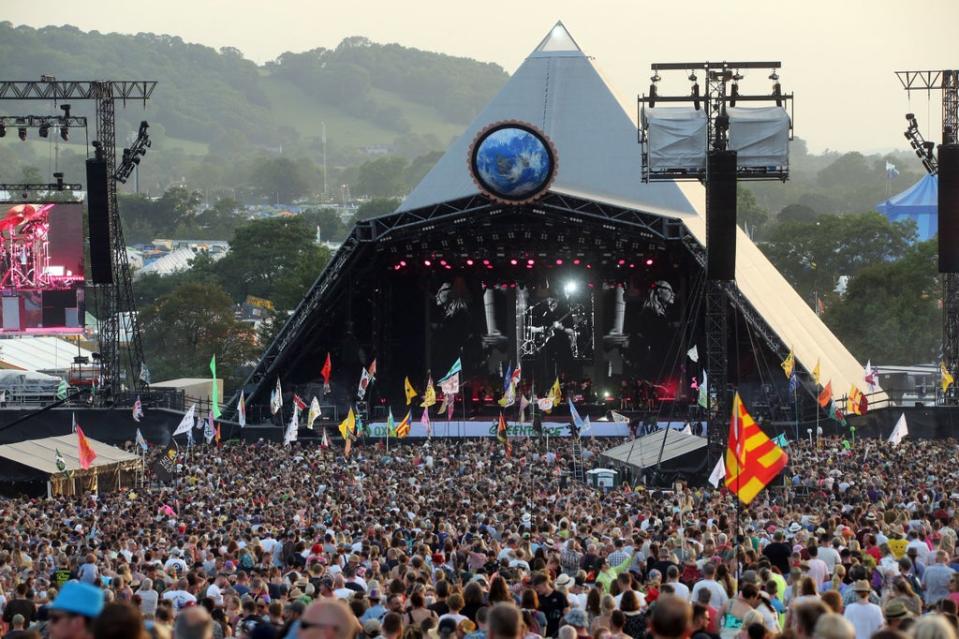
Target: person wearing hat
[72, 613]
[865, 616]
[895, 611]
[578, 620]
[376, 610]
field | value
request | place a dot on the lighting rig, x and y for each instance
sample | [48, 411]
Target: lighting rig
[114, 300]
[132, 155]
[711, 143]
[925, 150]
[947, 82]
[43, 123]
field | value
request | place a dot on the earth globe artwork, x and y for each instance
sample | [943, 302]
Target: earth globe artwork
[512, 162]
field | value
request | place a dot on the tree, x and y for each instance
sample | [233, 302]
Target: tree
[890, 309]
[377, 207]
[282, 179]
[812, 255]
[748, 213]
[275, 259]
[382, 177]
[332, 227]
[184, 328]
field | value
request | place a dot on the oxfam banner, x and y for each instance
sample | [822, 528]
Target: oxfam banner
[488, 429]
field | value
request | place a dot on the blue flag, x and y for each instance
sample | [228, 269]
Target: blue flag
[577, 420]
[780, 440]
[793, 382]
[457, 367]
[508, 377]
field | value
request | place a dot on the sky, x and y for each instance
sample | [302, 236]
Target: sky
[838, 56]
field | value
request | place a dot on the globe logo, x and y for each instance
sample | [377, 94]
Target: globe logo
[512, 162]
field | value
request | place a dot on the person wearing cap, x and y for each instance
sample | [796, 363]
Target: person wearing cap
[865, 616]
[72, 613]
[376, 610]
[895, 612]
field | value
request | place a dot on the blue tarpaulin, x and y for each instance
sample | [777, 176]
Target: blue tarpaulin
[917, 203]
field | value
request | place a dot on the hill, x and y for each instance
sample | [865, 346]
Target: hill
[368, 95]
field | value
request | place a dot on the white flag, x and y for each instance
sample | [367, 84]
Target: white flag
[900, 431]
[364, 383]
[276, 398]
[686, 430]
[241, 410]
[325, 442]
[618, 418]
[523, 405]
[142, 443]
[209, 432]
[719, 473]
[314, 412]
[451, 384]
[693, 353]
[291, 431]
[545, 403]
[587, 426]
[186, 423]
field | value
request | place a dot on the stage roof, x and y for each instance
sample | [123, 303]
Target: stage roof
[41, 454]
[643, 452]
[559, 89]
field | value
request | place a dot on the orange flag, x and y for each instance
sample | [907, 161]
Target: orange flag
[85, 451]
[825, 396]
[752, 459]
[854, 401]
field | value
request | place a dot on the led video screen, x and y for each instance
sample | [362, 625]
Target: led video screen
[41, 268]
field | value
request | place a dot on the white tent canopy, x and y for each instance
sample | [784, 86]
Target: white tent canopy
[643, 452]
[559, 89]
[41, 454]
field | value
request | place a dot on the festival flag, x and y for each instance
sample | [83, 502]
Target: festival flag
[186, 424]
[687, 429]
[189, 439]
[455, 369]
[372, 370]
[587, 427]
[214, 390]
[314, 412]
[502, 435]
[209, 432]
[360, 426]
[836, 413]
[816, 372]
[429, 397]
[326, 371]
[509, 396]
[891, 170]
[276, 398]
[62, 390]
[390, 425]
[854, 401]
[449, 409]
[577, 420]
[871, 376]
[218, 436]
[899, 431]
[752, 459]
[142, 443]
[425, 421]
[719, 472]
[789, 364]
[137, 410]
[144, 375]
[61, 464]
[557, 393]
[364, 384]
[347, 447]
[450, 385]
[325, 442]
[545, 404]
[298, 402]
[403, 428]
[293, 428]
[945, 377]
[348, 425]
[241, 410]
[618, 418]
[780, 440]
[507, 376]
[693, 354]
[825, 395]
[409, 390]
[703, 399]
[86, 452]
[523, 405]
[447, 405]
[793, 383]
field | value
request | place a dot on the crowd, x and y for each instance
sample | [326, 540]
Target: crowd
[455, 540]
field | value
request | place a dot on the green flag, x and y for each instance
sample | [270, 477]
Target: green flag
[61, 465]
[846, 445]
[390, 425]
[62, 390]
[215, 392]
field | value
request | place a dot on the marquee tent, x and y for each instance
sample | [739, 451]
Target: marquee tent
[31, 467]
[918, 203]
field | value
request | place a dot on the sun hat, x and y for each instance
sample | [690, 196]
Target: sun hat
[79, 599]
[895, 609]
[861, 586]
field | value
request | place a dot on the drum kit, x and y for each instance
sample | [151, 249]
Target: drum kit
[25, 248]
[570, 326]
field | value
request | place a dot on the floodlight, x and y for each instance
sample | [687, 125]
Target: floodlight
[695, 94]
[570, 287]
[3, 130]
[44, 129]
[733, 94]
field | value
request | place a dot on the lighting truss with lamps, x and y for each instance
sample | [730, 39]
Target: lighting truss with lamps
[946, 81]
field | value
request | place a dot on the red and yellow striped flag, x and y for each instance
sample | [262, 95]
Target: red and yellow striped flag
[752, 459]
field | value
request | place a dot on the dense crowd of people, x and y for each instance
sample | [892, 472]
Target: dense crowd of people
[455, 540]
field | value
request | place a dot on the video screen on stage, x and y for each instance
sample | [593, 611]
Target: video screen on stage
[41, 268]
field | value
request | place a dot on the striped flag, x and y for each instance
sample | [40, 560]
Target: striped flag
[752, 459]
[403, 428]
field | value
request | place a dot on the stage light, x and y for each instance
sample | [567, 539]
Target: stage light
[44, 129]
[3, 130]
[652, 96]
[695, 94]
[514, 261]
[570, 287]
[402, 262]
[448, 267]
[576, 262]
[631, 265]
[397, 267]
[606, 394]
[559, 261]
[21, 130]
[469, 262]
[589, 266]
[649, 261]
[620, 262]
[485, 262]
[733, 94]
[778, 94]
[443, 262]
[530, 262]
[64, 133]
[427, 263]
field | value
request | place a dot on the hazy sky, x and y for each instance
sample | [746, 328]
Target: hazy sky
[838, 55]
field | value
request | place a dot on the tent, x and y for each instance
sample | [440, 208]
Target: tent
[671, 454]
[918, 203]
[32, 467]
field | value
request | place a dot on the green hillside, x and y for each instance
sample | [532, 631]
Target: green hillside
[216, 101]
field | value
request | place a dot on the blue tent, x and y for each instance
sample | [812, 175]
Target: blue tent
[917, 203]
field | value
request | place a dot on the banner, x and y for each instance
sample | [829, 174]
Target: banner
[165, 466]
[454, 428]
